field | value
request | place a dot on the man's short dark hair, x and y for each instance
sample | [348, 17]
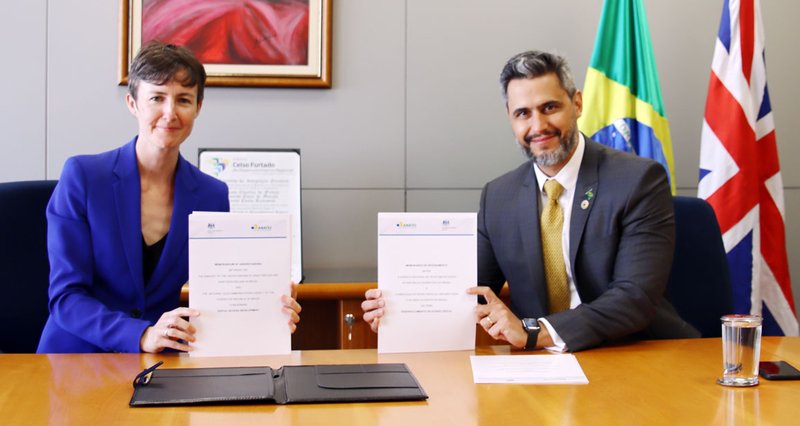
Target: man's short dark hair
[532, 64]
[158, 63]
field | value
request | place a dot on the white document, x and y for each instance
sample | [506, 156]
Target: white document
[239, 267]
[426, 262]
[531, 369]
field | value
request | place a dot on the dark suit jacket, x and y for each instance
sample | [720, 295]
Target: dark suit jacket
[99, 301]
[621, 248]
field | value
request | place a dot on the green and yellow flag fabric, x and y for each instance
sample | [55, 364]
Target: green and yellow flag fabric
[622, 105]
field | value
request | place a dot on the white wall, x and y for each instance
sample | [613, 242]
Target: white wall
[414, 119]
[23, 80]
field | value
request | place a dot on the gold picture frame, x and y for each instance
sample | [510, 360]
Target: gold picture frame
[211, 27]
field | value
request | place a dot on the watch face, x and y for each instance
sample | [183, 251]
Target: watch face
[530, 323]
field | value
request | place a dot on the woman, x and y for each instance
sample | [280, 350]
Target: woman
[118, 222]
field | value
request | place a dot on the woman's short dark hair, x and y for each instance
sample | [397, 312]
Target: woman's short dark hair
[534, 64]
[159, 63]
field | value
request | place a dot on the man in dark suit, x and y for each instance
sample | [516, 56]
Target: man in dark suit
[611, 247]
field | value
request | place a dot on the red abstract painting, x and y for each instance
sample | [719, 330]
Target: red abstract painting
[240, 32]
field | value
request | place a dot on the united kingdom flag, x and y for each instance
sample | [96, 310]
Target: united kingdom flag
[739, 170]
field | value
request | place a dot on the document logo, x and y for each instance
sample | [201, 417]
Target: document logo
[447, 226]
[404, 225]
[218, 165]
[258, 227]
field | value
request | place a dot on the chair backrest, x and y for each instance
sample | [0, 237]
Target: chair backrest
[699, 282]
[24, 262]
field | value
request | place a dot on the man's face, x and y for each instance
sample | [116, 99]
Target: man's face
[165, 113]
[544, 119]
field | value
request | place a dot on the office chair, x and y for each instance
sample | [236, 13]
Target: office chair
[699, 283]
[24, 262]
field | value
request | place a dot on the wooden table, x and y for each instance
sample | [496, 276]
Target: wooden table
[649, 382]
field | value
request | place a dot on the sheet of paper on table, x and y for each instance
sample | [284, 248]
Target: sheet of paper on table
[531, 369]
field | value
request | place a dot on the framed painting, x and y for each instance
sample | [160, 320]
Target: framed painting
[267, 43]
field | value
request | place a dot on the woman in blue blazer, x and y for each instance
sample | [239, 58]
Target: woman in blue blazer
[118, 222]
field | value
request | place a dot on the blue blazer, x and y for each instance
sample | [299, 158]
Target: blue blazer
[99, 301]
[621, 237]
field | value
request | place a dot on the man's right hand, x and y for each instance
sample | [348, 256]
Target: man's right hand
[373, 308]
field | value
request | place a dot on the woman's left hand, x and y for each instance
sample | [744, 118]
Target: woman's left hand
[292, 308]
[172, 330]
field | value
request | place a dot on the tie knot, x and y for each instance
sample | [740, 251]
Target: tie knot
[553, 189]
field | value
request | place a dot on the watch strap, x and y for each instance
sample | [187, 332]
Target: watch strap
[533, 335]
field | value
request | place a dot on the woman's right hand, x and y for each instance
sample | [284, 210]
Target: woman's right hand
[172, 330]
[373, 308]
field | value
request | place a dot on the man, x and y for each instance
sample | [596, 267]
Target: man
[613, 240]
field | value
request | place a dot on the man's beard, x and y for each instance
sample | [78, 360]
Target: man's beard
[565, 145]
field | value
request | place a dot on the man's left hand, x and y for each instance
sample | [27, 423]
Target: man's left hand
[497, 319]
[291, 308]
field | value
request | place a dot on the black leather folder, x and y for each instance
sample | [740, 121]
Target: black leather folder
[286, 385]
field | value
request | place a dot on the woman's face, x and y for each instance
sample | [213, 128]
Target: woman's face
[165, 113]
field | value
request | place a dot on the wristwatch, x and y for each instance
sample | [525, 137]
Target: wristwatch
[531, 326]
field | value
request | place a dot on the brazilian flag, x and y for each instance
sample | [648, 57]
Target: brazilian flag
[622, 105]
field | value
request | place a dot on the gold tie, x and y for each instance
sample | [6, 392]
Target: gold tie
[555, 270]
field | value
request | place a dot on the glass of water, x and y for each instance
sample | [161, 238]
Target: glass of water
[741, 346]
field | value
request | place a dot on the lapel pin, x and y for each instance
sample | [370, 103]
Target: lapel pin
[588, 195]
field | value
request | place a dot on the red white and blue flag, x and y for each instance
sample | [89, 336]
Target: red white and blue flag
[739, 171]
